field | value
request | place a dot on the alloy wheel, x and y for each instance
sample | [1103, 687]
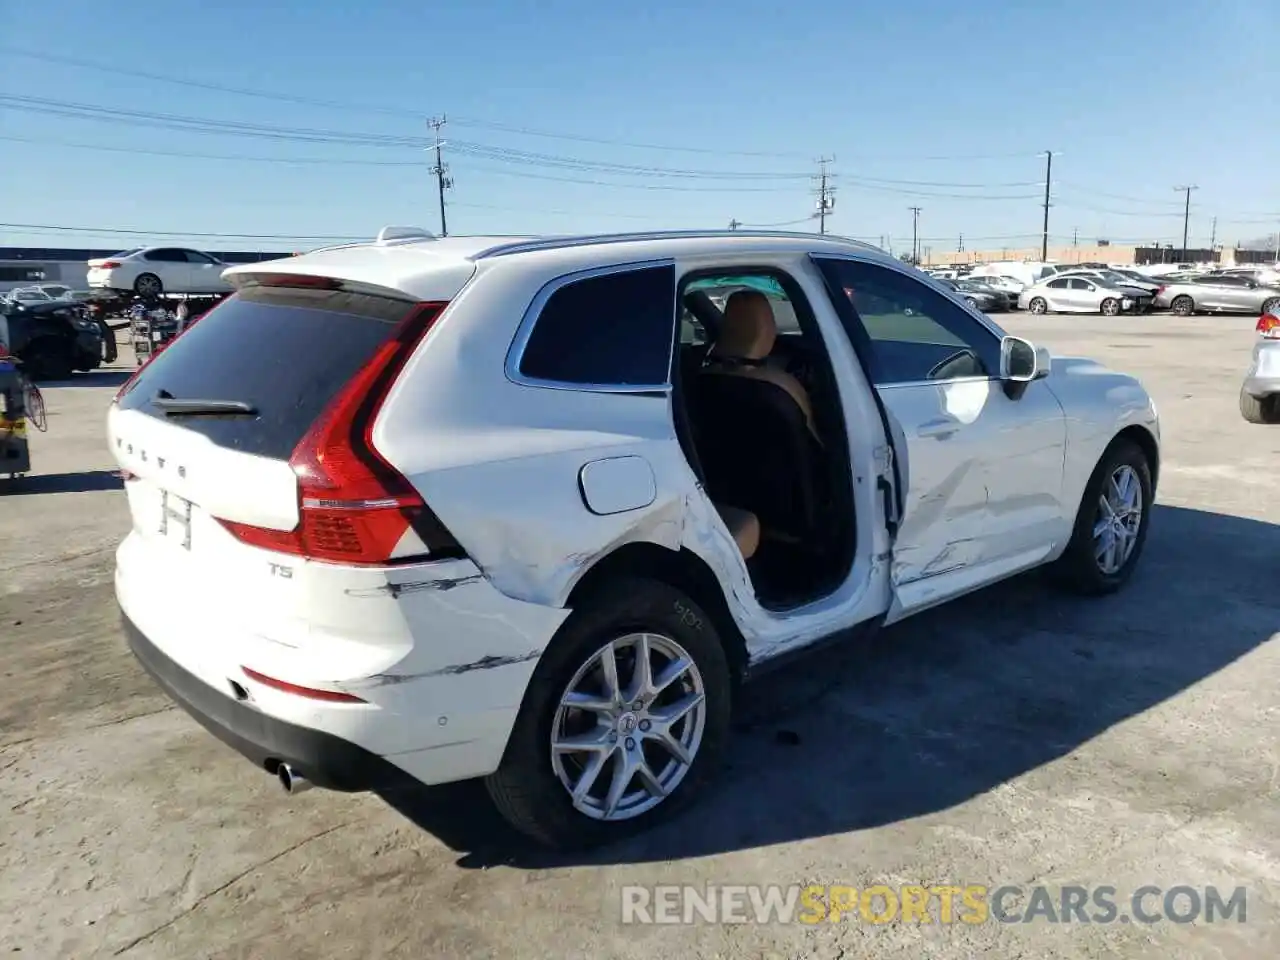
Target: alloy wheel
[628, 726]
[1119, 518]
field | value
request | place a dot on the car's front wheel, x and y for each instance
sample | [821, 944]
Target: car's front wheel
[1111, 524]
[625, 718]
[1110, 307]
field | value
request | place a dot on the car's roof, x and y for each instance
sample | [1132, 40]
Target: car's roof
[433, 267]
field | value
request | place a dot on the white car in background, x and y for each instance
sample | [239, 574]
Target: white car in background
[438, 509]
[1075, 294]
[151, 271]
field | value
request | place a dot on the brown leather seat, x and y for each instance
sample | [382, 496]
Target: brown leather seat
[747, 335]
[743, 526]
[756, 438]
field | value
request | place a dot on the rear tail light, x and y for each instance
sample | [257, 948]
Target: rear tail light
[108, 265]
[1269, 326]
[354, 507]
[1159, 289]
[311, 693]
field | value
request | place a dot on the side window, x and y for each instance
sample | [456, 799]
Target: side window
[612, 330]
[1079, 284]
[195, 256]
[166, 256]
[1059, 284]
[916, 332]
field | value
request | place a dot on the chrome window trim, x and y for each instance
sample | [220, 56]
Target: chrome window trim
[515, 353]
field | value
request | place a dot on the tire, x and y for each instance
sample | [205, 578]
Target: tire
[49, 359]
[1260, 409]
[1110, 307]
[1183, 306]
[971, 302]
[1038, 306]
[1272, 307]
[528, 788]
[1079, 569]
[148, 285]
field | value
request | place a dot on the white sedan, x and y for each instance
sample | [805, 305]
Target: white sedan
[151, 271]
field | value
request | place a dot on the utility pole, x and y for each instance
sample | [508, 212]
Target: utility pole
[735, 223]
[443, 180]
[1044, 237]
[1075, 236]
[961, 247]
[1213, 238]
[826, 193]
[1186, 216]
[915, 234]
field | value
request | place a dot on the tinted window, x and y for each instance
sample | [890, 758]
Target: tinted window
[284, 352]
[914, 329]
[166, 256]
[614, 330]
[1059, 284]
[195, 256]
[1078, 284]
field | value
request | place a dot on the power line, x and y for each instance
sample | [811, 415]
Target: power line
[367, 108]
[114, 231]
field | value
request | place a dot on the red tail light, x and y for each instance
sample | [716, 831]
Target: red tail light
[1159, 289]
[108, 265]
[354, 507]
[1269, 326]
[311, 693]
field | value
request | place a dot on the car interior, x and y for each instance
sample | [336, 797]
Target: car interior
[759, 418]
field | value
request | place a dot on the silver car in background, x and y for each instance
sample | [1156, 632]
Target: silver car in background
[1218, 293]
[1074, 294]
[1260, 392]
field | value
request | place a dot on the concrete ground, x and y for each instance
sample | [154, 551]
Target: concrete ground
[1016, 737]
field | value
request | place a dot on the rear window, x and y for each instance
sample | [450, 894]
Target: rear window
[285, 352]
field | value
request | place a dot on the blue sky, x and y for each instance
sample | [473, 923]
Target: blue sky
[569, 116]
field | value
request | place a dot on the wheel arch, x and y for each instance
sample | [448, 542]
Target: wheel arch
[1145, 441]
[682, 569]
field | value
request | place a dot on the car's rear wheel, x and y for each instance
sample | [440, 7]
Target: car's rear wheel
[625, 718]
[1272, 306]
[1183, 306]
[148, 285]
[1038, 306]
[1260, 409]
[1111, 524]
[971, 302]
[1110, 307]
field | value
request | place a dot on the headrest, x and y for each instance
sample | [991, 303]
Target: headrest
[749, 330]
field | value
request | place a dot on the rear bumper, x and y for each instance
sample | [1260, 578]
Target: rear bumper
[1261, 387]
[324, 759]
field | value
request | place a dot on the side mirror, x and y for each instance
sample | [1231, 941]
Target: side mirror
[1021, 363]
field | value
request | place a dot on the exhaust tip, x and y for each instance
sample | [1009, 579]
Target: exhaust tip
[291, 780]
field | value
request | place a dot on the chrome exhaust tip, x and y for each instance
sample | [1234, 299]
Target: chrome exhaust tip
[291, 780]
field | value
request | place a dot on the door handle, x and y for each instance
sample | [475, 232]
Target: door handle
[941, 427]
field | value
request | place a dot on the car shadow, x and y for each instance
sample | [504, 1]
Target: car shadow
[942, 707]
[83, 482]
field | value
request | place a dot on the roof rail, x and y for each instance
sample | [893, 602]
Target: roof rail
[400, 234]
[558, 242]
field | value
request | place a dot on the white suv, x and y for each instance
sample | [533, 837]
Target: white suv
[530, 510]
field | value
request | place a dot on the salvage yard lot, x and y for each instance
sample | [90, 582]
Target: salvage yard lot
[1016, 737]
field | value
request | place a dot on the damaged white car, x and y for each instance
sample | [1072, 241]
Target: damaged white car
[531, 510]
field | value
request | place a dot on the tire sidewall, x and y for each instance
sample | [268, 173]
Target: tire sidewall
[1038, 306]
[1273, 303]
[1078, 562]
[630, 606]
[1183, 306]
[159, 287]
